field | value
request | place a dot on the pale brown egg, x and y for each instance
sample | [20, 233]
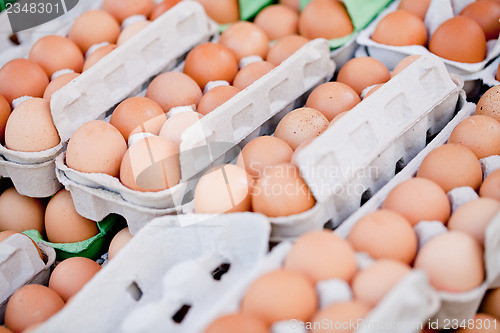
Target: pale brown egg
[400, 28]
[174, 89]
[479, 133]
[489, 103]
[244, 39]
[497, 75]
[491, 303]
[32, 328]
[407, 61]
[385, 234]
[30, 127]
[491, 186]
[151, 165]
[222, 11]
[22, 77]
[224, 189]
[281, 191]
[5, 111]
[96, 147]
[325, 19]
[54, 53]
[281, 295]
[417, 7]
[487, 14]
[58, 83]
[175, 125]
[333, 98]
[29, 305]
[278, 21]
[340, 317]
[63, 224]
[362, 72]
[294, 4]
[453, 261]
[7, 233]
[131, 30]
[118, 242]
[215, 97]
[97, 55]
[419, 199]
[481, 323]
[237, 322]
[138, 114]
[211, 62]
[71, 275]
[450, 166]
[162, 8]
[263, 152]
[459, 39]
[93, 27]
[322, 255]
[334, 120]
[251, 73]
[19, 213]
[121, 9]
[371, 284]
[373, 90]
[285, 47]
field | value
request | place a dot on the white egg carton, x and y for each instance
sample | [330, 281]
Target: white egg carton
[253, 112]
[488, 75]
[458, 306]
[159, 46]
[165, 256]
[20, 264]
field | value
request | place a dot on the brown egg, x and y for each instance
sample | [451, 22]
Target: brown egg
[22, 77]
[450, 166]
[251, 73]
[263, 152]
[54, 53]
[419, 199]
[362, 72]
[400, 28]
[407, 61]
[245, 39]
[325, 19]
[481, 134]
[489, 103]
[96, 147]
[491, 303]
[459, 39]
[118, 242]
[491, 186]
[285, 47]
[483, 323]
[58, 83]
[6, 234]
[372, 90]
[151, 165]
[121, 9]
[174, 89]
[4, 116]
[497, 75]
[211, 62]
[131, 30]
[486, 13]
[222, 11]
[215, 97]
[333, 98]
[453, 261]
[63, 224]
[93, 27]
[385, 234]
[418, 7]
[71, 275]
[278, 21]
[281, 295]
[237, 322]
[339, 317]
[32, 328]
[294, 4]
[334, 120]
[224, 189]
[19, 213]
[3, 329]
[30, 305]
[138, 114]
[173, 128]
[30, 127]
[301, 125]
[97, 55]
[322, 255]
[281, 191]
[374, 282]
[162, 8]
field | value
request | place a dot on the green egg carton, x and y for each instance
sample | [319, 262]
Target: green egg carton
[91, 248]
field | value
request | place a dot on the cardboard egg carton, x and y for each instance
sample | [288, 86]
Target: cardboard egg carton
[253, 112]
[488, 75]
[20, 264]
[158, 47]
[188, 261]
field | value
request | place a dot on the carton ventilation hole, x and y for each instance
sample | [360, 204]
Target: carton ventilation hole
[134, 291]
[179, 316]
[220, 271]
[399, 166]
[366, 196]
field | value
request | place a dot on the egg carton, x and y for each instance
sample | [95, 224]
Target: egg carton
[253, 112]
[20, 264]
[121, 74]
[458, 306]
[488, 75]
[189, 261]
